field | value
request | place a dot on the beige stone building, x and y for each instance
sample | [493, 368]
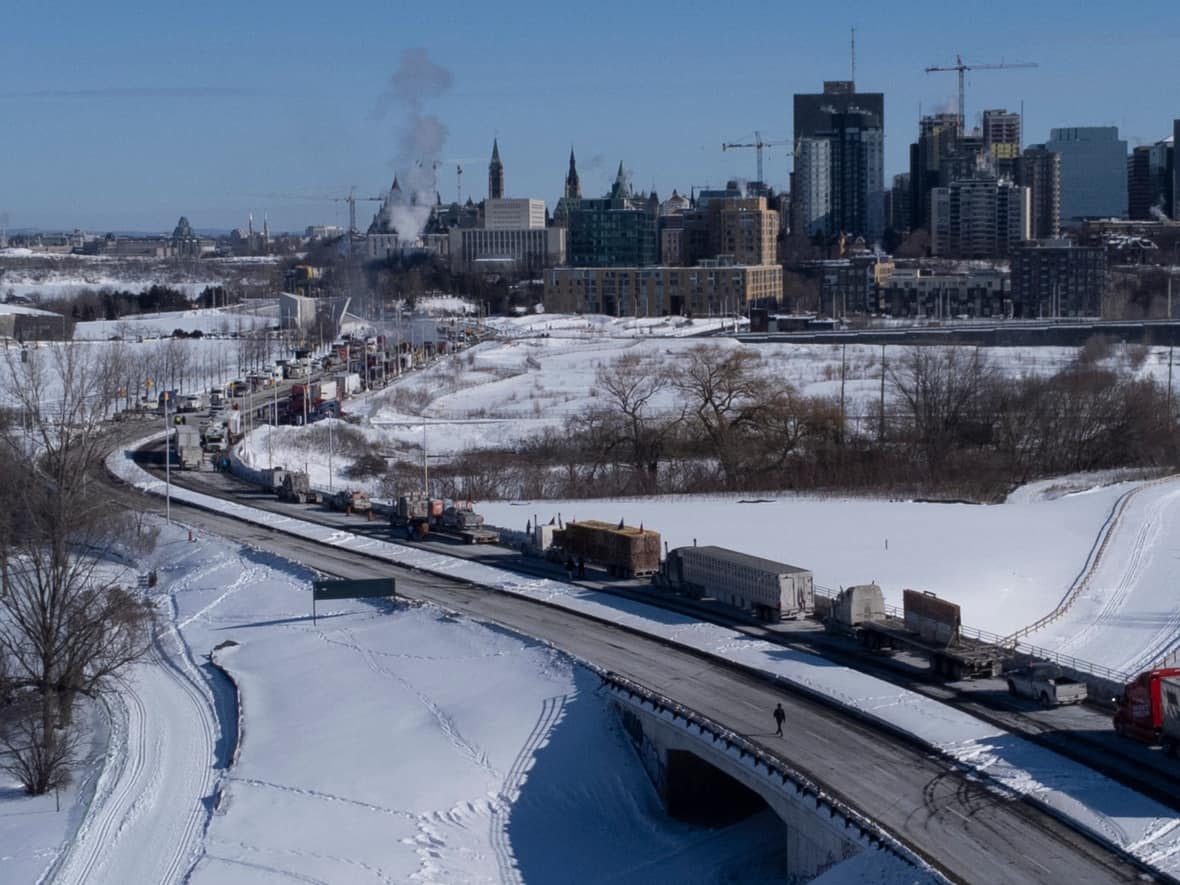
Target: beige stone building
[710, 288]
[748, 230]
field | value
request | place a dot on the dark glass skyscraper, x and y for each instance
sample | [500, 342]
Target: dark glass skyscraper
[839, 181]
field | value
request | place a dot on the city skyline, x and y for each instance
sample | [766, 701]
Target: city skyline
[125, 121]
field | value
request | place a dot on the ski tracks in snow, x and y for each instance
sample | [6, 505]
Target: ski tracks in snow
[154, 798]
[1125, 592]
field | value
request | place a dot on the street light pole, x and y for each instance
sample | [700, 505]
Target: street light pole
[167, 462]
[425, 459]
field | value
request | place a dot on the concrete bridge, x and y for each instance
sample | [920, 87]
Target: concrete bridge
[710, 775]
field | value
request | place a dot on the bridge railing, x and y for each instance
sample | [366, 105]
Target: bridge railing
[870, 832]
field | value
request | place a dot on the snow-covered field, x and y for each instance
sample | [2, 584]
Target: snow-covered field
[28, 274]
[385, 743]
[1007, 565]
[222, 322]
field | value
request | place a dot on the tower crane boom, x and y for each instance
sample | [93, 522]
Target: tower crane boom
[351, 200]
[962, 69]
[758, 144]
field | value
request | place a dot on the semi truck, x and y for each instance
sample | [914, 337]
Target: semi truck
[624, 551]
[295, 488]
[350, 501]
[188, 447]
[420, 516]
[1170, 713]
[459, 519]
[1148, 707]
[926, 626]
[213, 438]
[772, 591]
[412, 513]
[1046, 683]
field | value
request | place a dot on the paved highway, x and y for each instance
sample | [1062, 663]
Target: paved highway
[972, 834]
[1081, 733]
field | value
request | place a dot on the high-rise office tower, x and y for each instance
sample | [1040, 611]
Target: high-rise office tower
[1093, 172]
[931, 157]
[1150, 181]
[1039, 170]
[1175, 170]
[839, 180]
[1001, 140]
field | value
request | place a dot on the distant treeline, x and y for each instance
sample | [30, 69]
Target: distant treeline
[948, 423]
[113, 304]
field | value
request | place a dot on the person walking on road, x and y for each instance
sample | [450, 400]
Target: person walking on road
[779, 715]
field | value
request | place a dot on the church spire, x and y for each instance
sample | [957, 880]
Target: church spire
[495, 173]
[620, 186]
[573, 188]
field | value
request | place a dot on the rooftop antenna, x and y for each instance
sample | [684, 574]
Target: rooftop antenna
[459, 177]
[852, 54]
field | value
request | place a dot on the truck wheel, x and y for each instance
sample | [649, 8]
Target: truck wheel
[1045, 698]
[1011, 688]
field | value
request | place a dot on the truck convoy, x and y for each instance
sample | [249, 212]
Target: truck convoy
[623, 550]
[1046, 683]
[1149, 709]
[773, 591]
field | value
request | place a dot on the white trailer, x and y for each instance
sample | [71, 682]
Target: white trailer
[188, 447]
[771, 590]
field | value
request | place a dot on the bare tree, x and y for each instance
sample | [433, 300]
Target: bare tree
[66, 627]
[36, 755]
[728, 394]
[627, 422]
[942, 392]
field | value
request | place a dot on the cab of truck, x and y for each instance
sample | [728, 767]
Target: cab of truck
[1139, 715]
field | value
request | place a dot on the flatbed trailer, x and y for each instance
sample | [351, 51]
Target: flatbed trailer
[468, 536]
[926, 626]
[963, 658]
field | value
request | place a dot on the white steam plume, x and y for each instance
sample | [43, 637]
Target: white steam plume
[420, 140]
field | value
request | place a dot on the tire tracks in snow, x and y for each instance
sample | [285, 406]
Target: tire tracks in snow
[552, 710]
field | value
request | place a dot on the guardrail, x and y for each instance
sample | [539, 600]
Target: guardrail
[870, 833]
[1016, 646]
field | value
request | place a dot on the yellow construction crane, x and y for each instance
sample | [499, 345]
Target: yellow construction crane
[962, 69]
[758, 144]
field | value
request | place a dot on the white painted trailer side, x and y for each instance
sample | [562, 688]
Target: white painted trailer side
[770, 589]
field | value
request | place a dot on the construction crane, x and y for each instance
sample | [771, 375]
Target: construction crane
[352, 200]
[963, 69]
[758, 144]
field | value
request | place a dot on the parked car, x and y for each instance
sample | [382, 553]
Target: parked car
[1046, 683]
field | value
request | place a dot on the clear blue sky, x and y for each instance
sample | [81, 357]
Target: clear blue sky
[127, 115]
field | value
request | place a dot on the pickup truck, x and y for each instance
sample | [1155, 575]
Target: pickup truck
[1045, 683]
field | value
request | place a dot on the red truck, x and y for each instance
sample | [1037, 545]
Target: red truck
[1142, 714]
